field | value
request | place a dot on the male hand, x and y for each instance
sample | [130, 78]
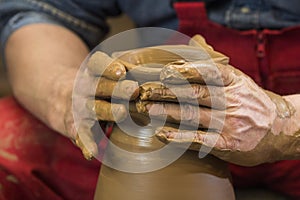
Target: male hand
[101, 81]
[240, 121]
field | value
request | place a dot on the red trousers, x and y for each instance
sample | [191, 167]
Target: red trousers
[38, 163]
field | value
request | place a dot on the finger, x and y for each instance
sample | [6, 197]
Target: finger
[89, 86]
[185, 114]
[101, 64]
[126, 89]
[203, 72]
[199, 41]
[85, 139]
[210, 96]
[106, 111]
[195, 137]
[221, 147]
[169, 134]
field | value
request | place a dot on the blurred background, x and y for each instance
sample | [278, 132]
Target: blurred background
[4, 86]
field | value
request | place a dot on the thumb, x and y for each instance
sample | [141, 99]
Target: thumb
[85, 139]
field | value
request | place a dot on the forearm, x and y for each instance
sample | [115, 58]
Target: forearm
[42, 62]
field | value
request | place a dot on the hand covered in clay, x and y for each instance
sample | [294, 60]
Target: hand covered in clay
[107, 79]
[102, 81]
[240, 121]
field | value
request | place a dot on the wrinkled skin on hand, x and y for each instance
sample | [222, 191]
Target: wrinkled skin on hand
[240, 121]
[248, 130]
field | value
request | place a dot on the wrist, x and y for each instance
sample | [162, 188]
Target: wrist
[285, 121]
[287, 141]
[291, 125]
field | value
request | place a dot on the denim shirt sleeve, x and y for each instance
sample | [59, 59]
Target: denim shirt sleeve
[78, 16]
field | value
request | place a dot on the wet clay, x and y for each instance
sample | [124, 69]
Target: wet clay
[154, 55]
[164, 54]
[145, 64]
[187, 178]
[144, 73]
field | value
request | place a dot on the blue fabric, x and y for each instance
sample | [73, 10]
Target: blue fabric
[88, 18]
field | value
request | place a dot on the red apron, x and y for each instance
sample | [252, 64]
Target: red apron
[270, 58]
[38, 163]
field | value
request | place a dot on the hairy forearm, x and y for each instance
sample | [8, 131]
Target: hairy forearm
[42, 62]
